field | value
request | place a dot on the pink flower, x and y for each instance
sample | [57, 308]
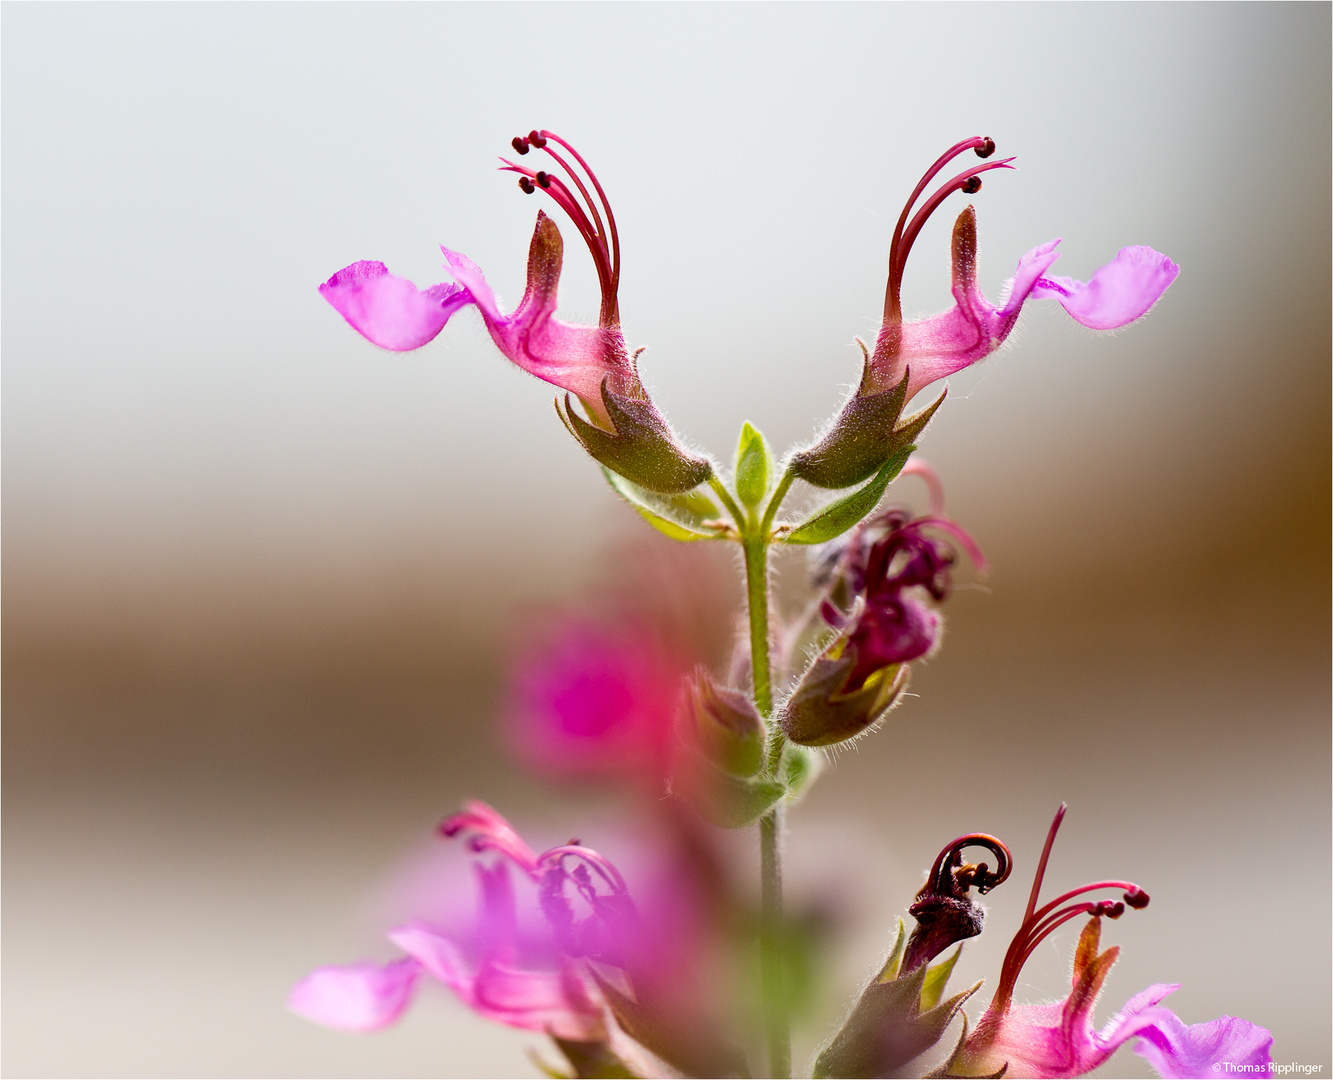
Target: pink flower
[392, 313]
[1058, 1039]
[597, 699]
[1120, 292]
[626, 433]
[501, 972]
[908, 357]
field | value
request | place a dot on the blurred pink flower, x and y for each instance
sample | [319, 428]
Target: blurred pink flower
[1057, 1039]
[537, 982]
[597, 699]
[547, 965]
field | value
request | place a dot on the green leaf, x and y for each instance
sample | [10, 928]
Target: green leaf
[936, 977]
[733, 802]
[688, 516]
[798, 767]
[752, 466]
[841, 514]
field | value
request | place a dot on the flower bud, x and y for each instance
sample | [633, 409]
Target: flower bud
[727, 727]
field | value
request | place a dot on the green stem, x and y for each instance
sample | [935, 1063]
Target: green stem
[784, 485]
[727, 501]
[770, 825]
[770, 944]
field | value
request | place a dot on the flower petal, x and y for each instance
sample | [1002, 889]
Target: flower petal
[1120, 292]
[575, 358]
[1227, 1046]
[390, 311]
[356, 997]
[534, 1000]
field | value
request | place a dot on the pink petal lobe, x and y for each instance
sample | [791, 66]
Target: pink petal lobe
[390, 311]
[1120, 292]
[356, 997]
[572, 357]
[533, 1000]
[1227, 1046]
[1029, 271]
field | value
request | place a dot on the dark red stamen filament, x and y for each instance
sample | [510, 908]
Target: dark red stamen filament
[943, 877]
[584, 211]
[1038, 923]
[905, 234]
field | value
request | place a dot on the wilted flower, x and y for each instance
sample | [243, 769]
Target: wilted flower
[592, 362]
[908, 357]
[880, 580]
[1058, 1039]
[944, 910]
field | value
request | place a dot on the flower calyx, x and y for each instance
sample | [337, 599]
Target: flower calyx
[899, 1015]
[639, 445]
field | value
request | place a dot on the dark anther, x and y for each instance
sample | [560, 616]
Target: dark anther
[1112, 909]
[543, 180]
[527, 185]
[574, 841]
[986, 148]
[971, 185]
[535, 137]
[1137, 899]
[519, 143]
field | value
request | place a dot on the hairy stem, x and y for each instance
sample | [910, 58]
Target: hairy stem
[770, 825]
[770, 944]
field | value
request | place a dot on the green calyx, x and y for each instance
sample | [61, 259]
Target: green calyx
[727, 727]
[897, 1017]
[843, 513]
[641, 448]
[868, 432]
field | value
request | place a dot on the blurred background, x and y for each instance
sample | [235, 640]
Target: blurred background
[261, 578]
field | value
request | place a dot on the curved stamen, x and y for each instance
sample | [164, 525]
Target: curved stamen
[606, 203]
[932, 204]
[1039, 923]
[984, 146]
[553, 186]
[944, 879]
[608, 873]
[1096, 910]
[602, 238]
[944, 524]
[599, 230]
[975, 143]
[1134, 896]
